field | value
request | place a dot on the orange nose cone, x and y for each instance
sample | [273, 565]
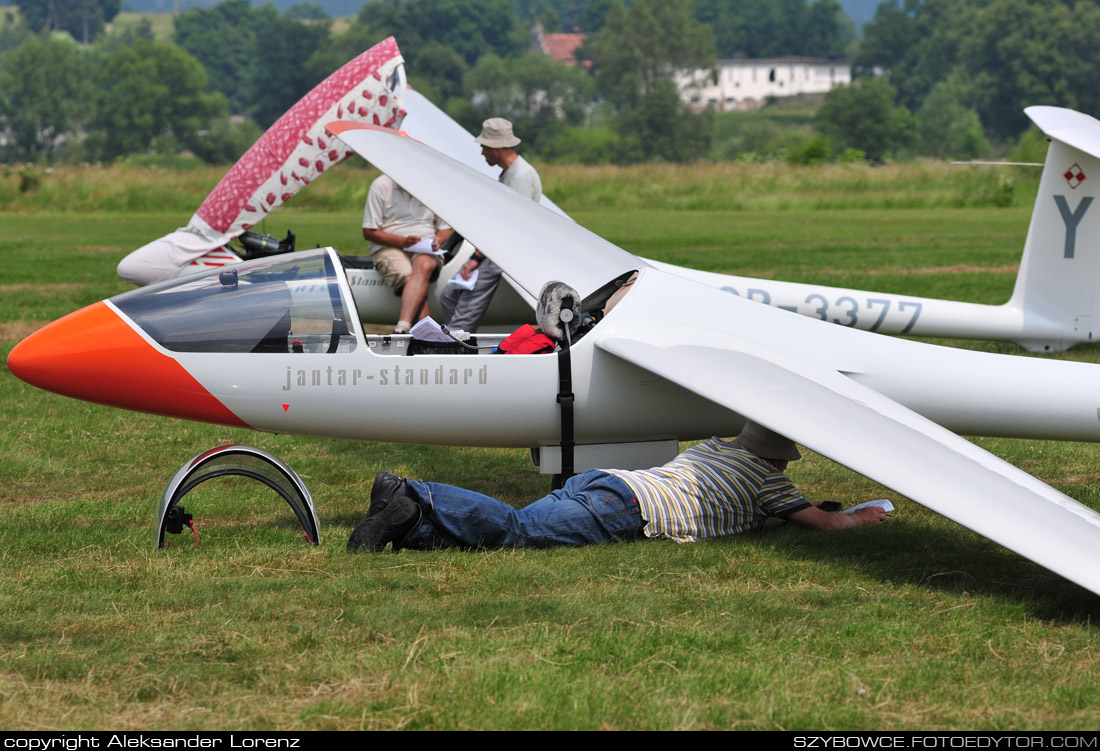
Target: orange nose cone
[94, 355]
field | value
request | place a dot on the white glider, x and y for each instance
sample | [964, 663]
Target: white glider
[275, 345]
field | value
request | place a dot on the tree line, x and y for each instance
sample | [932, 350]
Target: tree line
[951, 78]
[937, 77]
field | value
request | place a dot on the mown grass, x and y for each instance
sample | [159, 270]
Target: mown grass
[916, 625]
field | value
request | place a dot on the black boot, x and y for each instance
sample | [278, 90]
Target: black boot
[386, 487]
[393, 522]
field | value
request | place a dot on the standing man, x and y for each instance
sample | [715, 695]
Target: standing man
[464, 308]
[713, 489]
[393, 221]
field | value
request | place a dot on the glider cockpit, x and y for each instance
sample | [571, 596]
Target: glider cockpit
[284, 304]
[289, 303]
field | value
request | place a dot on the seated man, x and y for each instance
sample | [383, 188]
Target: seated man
[713, 489]
[393, 220]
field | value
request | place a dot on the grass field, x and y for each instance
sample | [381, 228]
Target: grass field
[918, 624]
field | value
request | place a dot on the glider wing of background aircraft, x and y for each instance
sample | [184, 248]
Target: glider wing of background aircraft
[274, 344]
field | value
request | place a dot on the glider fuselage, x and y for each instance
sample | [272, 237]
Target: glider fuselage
[372, 388]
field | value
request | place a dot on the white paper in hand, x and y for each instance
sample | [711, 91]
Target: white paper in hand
[424, 246]
[882, 503]
[461, 283]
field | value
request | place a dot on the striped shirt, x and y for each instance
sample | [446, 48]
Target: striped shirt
[713, 489]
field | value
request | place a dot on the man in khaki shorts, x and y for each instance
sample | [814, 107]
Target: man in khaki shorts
[393, 221]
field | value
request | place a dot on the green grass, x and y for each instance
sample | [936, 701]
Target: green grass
[770, 130]
[918, 624]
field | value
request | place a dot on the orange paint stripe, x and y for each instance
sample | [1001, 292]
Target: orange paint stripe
[94, 355]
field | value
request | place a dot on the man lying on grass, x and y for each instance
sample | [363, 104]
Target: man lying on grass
[713, 489]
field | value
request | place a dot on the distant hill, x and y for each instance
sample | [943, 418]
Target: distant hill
[860, 11]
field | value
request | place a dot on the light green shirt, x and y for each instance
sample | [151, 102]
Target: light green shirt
[522, 178]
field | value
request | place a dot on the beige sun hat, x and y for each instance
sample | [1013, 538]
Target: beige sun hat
[496, 133]
[766, 444]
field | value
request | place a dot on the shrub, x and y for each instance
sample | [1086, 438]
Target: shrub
[813, 150]
[577, 145]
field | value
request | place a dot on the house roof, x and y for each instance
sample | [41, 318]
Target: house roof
[561, 47]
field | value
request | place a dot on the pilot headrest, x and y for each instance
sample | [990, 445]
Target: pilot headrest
[559, 305]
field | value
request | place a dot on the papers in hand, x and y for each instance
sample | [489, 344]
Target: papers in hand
[429, 331]
[882, 503]
[461, 283]
[425, 246]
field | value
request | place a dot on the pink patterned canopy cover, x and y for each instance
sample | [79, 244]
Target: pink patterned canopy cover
[295, 150]
[292, 153]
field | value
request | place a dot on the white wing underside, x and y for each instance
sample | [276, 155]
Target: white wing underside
[432, 126]
[532, 243]
[751, 359]
[859, 428]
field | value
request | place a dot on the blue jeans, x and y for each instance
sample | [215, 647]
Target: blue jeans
[592, 508]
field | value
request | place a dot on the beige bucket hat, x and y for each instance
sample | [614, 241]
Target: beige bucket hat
[496, 133]
[766, 444]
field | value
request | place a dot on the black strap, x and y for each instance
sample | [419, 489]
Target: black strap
[565, 399]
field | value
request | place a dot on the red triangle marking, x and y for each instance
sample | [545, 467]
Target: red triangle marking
[286, 407]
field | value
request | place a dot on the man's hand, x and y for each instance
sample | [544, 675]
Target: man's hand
[388, 239]
[867, 517]
[441, 237]
[815, 518]
[468, 268]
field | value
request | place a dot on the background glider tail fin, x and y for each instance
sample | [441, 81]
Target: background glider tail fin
[1057, 287]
